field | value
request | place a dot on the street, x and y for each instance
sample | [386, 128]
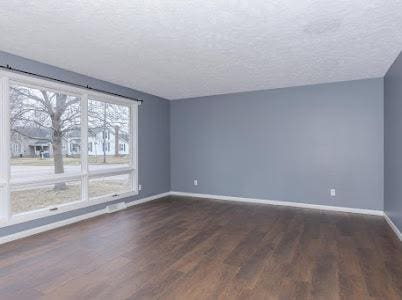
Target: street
[19, 172]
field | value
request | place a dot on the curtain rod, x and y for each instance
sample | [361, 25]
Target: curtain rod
[7, 67]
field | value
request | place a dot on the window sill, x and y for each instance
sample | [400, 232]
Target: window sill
[46, 212]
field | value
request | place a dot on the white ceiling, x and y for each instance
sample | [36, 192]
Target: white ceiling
[178, 48]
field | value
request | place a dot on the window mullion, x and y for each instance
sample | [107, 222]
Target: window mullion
[43, 181]
[4, 149]
[109, 172]
[84, 147]
[134, 146]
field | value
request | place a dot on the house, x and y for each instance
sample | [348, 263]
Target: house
[30, 142]
[102, 141]
[34, 142]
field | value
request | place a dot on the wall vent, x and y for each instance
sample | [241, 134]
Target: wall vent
[116, 207]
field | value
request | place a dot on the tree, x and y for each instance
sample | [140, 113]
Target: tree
[54, 113]
[57, 116]
[107, 118]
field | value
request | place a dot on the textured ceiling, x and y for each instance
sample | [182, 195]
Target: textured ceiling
[178, 49]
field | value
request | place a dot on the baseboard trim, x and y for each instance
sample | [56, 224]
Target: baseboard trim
[284, 203]
[147, 199]
[47, 227]
[393, 226]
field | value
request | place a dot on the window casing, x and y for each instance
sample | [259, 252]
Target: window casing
[79, 150]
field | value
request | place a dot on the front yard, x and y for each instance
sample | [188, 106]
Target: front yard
[45, 196]
[32, 199]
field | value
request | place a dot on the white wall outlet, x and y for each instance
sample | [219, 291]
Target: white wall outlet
[195, 182]
[332, 192]
[139, 187]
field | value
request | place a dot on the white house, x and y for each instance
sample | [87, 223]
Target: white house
[100, 141]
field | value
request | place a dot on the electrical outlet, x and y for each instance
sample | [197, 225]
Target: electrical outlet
[195, 182]
[139, 187]
[332, 192]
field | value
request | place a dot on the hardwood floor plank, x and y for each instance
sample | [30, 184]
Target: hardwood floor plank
[185, 248]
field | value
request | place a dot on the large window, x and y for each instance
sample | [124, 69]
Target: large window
[62, 148]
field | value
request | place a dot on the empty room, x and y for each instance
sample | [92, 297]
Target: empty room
[207, 149]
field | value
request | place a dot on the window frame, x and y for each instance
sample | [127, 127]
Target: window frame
[8, 78]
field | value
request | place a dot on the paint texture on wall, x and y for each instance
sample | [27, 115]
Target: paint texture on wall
[291, 144]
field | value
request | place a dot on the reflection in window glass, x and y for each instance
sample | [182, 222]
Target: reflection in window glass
[108, 130]
[25, 200]
[45, 132]
[107, 186]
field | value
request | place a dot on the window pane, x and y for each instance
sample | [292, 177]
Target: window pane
[45, 132]
[107, 186]
[41, 197]
[108, 135]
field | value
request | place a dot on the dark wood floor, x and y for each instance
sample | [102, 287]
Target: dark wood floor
[182, 248]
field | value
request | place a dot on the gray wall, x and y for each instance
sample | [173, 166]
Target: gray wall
[290, 144]
[393, 142]
[154, 141]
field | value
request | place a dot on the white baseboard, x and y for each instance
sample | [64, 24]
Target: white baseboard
[284, 203]
[147, 199]
[47, 227]
[393, 226]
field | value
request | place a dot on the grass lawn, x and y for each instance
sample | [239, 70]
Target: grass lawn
[32, 199]
[27, 200]
[69, 161]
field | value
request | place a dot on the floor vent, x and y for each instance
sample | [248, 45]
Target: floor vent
[116, 207]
